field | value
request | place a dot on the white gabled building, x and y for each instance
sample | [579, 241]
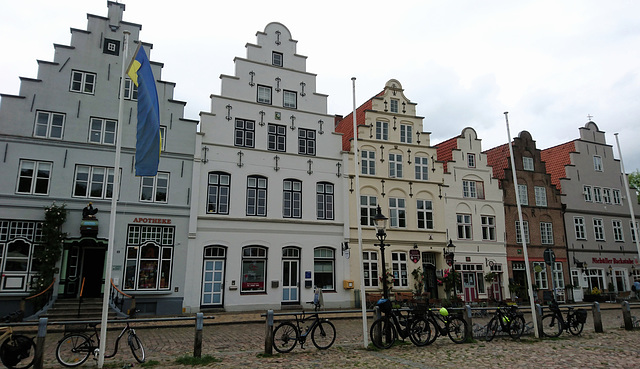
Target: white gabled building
[268, 223]
[474, 213]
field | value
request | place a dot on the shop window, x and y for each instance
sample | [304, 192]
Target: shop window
[254, 269]
[149, 257]
[323, 267]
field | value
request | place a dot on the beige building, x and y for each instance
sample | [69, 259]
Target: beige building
[398, 171]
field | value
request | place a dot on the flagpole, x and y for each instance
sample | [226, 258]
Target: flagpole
[363, 296]
[626, 187]
[112, 217]
[524, 241]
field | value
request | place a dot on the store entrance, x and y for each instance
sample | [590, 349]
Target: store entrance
[83, 268]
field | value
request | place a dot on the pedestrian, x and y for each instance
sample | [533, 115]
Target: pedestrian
[636, 288]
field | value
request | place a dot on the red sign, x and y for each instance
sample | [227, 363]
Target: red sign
[152, 220]
[414, 255]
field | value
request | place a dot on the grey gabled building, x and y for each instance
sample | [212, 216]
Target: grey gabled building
[57, 137]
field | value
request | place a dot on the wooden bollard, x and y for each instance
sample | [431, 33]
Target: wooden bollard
[197, 343]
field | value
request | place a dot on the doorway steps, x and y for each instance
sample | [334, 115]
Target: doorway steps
[73, 309]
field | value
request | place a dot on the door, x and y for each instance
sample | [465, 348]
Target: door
[92, 281]
[290, 282]
[469, 285]
[212, 282]
[495, 288]
[430, 280]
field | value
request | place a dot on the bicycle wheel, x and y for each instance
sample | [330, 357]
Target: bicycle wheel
[323, 335]
[383, 334]
[516, 326]
[420, 331]
[492, 329]
[457, 329]
[551, 326]
[285, 337]
[73, 349]
[575, 327]
[17, 352]
[435, 330]
[136, 347]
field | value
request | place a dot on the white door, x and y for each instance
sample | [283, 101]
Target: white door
[212, 282]
[290, 283]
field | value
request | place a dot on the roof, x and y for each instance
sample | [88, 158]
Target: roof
[498, 158]
[444, 150]
[345, 125]
[556, 158]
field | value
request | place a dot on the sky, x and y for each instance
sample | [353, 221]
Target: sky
[550, 64]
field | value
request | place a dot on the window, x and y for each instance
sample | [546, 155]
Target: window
[370, 267]
[276, 59]
[254, 269]
[34, 177]
[163, 138]
[399, 268]
[488, 227]
[49, 125]
[155, 189]
[597, 194]
[527, 163]
[425, 214]
[558, 276]
[606, 195]
[277, 137]
[541, 196]
[394, 105]
[525, 225]
[546, 233]
[323, 268]
[18, 266]
[578, 226]
[102, 131]
[83, 82]
[540, 274]
[617, 230]
[616, 197]
[405, 133]
[586, 191]
[597, 163]
[289, 99]
[292, 198]
[324, 200]
[598, 229]
[382, 131]
[395, 165]
[368, 205]
[93, 182]
[473, 189]
[130, 90]
[522, 194]
[368, 162]
[218, 191]
[306, 141]
[471, 160]
[149, 257]
[111, 47]
[397, 213]
[264, 94]
[245, 133]
[633, 230]
[257, 196]
[464, 226]
[422, 167]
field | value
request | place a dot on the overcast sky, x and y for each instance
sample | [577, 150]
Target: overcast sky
[550, 64]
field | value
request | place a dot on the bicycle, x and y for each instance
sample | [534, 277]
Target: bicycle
[17, 351]
[75, 347]
[445, 324]
[506, 319]
[553, 323]
[385, 330]
[287, 335]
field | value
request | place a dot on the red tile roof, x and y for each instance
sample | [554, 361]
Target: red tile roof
[498, 158]
[345, 125]
[444, 151]
[556, 158]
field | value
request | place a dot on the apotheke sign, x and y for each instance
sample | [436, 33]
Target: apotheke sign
[613, 261]
[152, 220]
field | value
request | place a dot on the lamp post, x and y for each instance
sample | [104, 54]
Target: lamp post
[449, 254]
[380, 222]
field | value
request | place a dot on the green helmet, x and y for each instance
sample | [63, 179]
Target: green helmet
[444, 311]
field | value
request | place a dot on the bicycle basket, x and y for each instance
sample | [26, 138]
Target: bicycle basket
[581, 316]
[384, 305]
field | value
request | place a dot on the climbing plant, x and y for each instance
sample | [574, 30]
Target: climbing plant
[47, 254]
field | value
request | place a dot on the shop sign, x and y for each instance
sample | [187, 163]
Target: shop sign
[613, 261]
[152, 220]
[414, 255]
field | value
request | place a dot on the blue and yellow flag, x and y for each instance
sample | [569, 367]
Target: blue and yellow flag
[148, 138]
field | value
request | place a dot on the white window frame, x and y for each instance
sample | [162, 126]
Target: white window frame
[292, 198]
[218, 193]
[464, 226]
[368, 162]
[422, 168]
[368, 210]
[130, 90]
[469, 189]
[546, 233]
[397, 213]
[558, 275]
[325, 201]
[598, 229]
[35, 178]
[633, 234]
[399, 269]
[393, 105]
[527, 164]
[618, 233]
[617, 197]
[50, 126]
[525, 225]
[306, 141]
[93, 174]
[541, 196]
[597, 194]
[522, 194]
[586, 191]
[323, 256]
[105, 133]
[541, 279]
[157, 186]
[85, 84]
[406, 133]
[395, 165]
[370, 268]
[471, 160]
[579, 228]
[606, 195]
[290, 99]
[277, 137]
[256, 199]
[597, 163]
[382, 130]
[264, 95]
[425, 214]
[488, 223]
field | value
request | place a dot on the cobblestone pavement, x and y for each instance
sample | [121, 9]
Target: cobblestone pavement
[237, 340]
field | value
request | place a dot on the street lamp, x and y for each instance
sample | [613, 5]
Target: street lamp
[449, 253]
[380, 221]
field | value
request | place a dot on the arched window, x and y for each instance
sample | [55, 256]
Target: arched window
[324, 268]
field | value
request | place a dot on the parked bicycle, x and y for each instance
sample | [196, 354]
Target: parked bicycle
[506, 319]
[75, 346]
[553, 323]
[445, 324]
[385, 330]
[17, 351]
[287, 334]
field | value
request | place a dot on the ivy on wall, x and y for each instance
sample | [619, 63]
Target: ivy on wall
[47, 255]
